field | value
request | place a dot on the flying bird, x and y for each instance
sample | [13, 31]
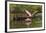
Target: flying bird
[29, 20]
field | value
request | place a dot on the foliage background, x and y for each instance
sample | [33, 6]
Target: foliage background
[18, 10]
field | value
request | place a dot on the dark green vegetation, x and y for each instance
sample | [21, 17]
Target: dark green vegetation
[18, 10]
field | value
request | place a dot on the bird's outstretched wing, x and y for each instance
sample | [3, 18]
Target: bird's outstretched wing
[34, 13]
[28, 13]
